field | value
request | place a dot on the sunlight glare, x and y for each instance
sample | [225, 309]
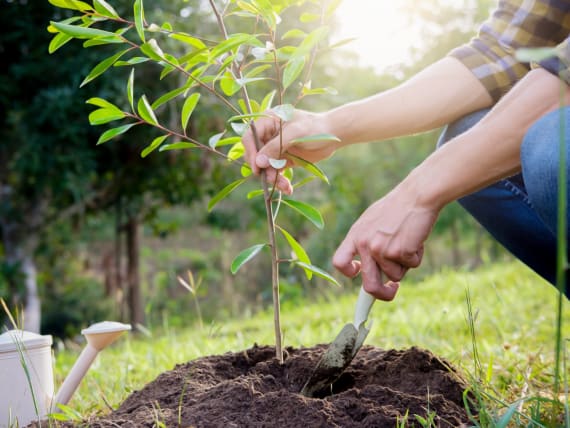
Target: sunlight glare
[383, 35]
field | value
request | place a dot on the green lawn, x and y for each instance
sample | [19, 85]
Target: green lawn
[515, 313]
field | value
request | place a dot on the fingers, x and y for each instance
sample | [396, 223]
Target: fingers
[343, 259]
[265, 129]
[282, 184]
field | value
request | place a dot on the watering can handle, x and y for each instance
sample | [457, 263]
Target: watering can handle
[363, 306]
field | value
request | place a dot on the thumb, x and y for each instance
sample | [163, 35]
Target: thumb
[274, 149]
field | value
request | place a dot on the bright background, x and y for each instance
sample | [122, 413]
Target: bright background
[383, 31]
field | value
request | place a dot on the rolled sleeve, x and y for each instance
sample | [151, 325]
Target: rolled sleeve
[494, 65]
[516, 24]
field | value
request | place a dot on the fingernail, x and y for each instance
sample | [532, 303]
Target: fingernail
[262, 161]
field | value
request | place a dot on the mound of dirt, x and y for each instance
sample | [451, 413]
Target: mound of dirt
[251, 389]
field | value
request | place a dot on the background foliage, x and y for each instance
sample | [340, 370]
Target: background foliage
[72, 202]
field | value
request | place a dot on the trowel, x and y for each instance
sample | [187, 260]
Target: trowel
[342, 350]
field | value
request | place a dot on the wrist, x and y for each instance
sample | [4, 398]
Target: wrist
[427, 191]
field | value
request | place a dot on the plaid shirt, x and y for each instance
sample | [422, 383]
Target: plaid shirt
[517, 24]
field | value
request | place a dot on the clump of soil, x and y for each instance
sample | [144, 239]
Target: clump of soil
[251, 389]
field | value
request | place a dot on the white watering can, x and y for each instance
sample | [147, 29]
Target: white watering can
[26, 372]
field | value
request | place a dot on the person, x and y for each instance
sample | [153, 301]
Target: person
[499, 155]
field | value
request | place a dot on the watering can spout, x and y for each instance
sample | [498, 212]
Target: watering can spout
[98, 337]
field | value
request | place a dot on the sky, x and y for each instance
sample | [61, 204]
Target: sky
[384, 36]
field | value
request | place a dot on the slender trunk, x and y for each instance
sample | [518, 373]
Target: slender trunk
[19, 250]
[120, 292]
[135, 302]
[32, 311]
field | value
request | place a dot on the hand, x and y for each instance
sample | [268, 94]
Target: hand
[388, 238]
[274, 147]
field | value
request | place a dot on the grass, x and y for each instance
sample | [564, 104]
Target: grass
[513, 316]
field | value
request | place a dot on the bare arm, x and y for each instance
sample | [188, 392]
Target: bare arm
[388, 237]
[442, 92]
[489, 151]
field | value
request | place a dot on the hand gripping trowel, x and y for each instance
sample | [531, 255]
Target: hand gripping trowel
[342, 350]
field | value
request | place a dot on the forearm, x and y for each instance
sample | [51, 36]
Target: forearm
[489, 151]
[438, 95]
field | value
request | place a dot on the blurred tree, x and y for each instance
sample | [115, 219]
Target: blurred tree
[51, 170]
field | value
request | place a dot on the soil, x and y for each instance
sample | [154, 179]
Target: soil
[251, 389]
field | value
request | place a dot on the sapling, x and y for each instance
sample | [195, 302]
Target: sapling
[227, 70]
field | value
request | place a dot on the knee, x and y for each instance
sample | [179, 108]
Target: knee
[460, 126]
[540, 150]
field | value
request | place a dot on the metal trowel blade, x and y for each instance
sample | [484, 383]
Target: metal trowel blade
[336, 359]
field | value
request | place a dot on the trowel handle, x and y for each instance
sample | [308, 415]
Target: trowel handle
[363, 306]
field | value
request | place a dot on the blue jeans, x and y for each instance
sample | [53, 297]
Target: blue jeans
[521, 211]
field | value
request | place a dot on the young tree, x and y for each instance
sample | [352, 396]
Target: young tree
[225, 69]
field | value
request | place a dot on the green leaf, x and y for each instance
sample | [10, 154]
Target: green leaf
[284, 112]
[188, 109]
[102, 116]
[130, 89]
[138, 10]
[257, 70]
[229, 84]
[246, 117]
[71, 4]
[188, 39]
[299, 251]
[303, 182]
[177, 146]
[113, 132]
[294, 34]
[311, 167]
[293, 70]
[58, 41]
[319, 272]
[343, 42]
[224, 192]
[152, 146]
[254, 193]
[82, 32]
[152, 50]
[105, 8]
[245, 170]
[277, 163]
[169, 95]
[99, 41]
[236, 152]
[102, 67]
[145, 111]
[311, 41]
[234, 41]
[309, 17]
[132, 61]
[228, 141]
[535, 54]
[308, 211]
[239, 128]
[267, 101]
[245, 256]
[214, 139]
[318, 91]
[100, 102]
